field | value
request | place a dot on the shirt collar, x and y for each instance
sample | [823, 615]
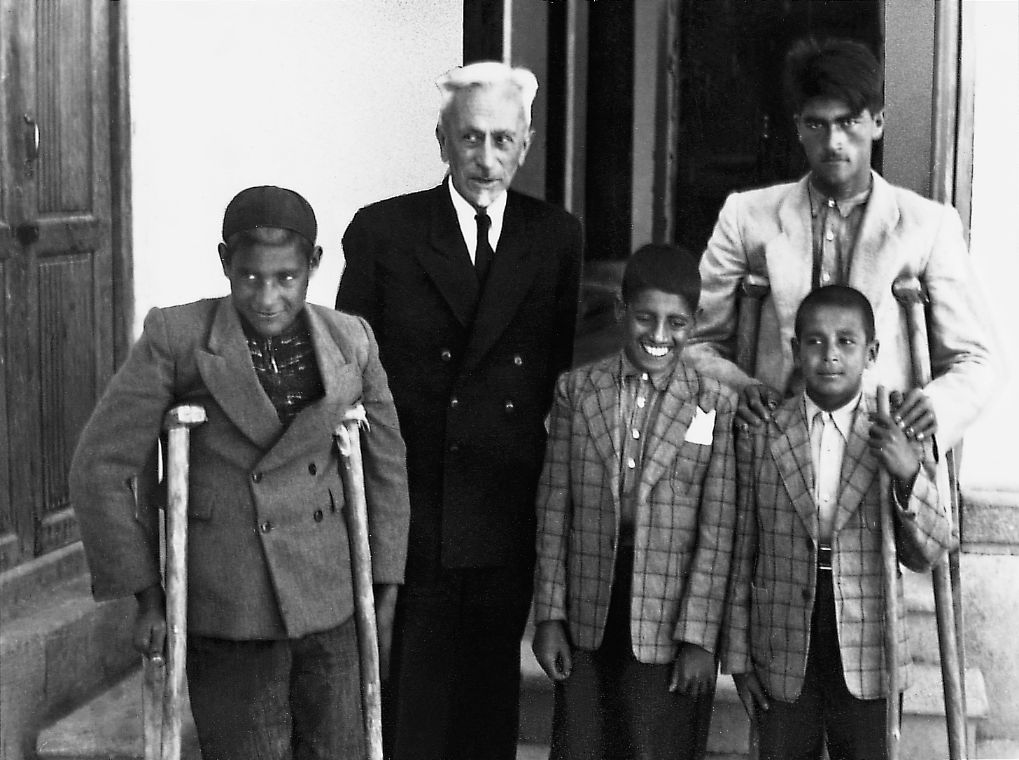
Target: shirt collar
[465, 213]
[660, 380]
[843, 416]
[845, 206]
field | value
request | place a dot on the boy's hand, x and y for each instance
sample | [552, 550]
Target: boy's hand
[385, 611]
[756, 403]
[149, 634]
[693, 672]
[552, 648]
[750, 691]
[888, 442]
[914, 413]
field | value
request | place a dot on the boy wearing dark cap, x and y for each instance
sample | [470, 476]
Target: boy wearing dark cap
[272, 655]
[636, 510]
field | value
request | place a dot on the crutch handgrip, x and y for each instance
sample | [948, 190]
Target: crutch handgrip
[752, 290]
[347, 436]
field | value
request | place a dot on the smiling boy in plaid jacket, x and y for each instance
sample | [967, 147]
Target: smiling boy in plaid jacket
[805, 616]
[636, 512]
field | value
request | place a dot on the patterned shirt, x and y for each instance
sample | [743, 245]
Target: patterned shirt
[286, 368]
[640, 396]
[835, 226]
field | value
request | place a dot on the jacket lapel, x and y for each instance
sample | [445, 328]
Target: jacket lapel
[317, 422]
[600, 410]
[446, 260]
[679, 405]
[875, 262]
[790, 450]
[513, 269]
[789, 255]
[228, 373]
[859, 467]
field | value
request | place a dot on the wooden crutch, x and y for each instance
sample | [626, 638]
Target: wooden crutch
[752, 291]
[912, 296]
[163, 689]
[348, 442]
[890, 579]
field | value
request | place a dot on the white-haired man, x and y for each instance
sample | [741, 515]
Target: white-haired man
[472, 290]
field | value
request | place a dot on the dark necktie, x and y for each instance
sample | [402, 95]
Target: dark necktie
[483, 253]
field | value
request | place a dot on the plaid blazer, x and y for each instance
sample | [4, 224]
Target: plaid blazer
[772, 588]
[685, 513]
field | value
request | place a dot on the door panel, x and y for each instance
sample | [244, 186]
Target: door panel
[58, 300]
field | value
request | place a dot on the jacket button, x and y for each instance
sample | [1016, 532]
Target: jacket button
[446, 355]
[518, 360]
[454, 448]
[805, 593]
[318, 515]
[256, 477]
[509, 407]
[454, 402]
[312, 469]
[265, 527]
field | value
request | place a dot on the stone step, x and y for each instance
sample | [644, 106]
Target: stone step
[57, 646]
[923, 723]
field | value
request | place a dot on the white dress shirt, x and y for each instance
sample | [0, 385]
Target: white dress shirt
[829, 432]
[465, 213]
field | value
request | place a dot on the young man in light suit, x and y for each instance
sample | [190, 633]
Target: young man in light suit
[636, 509]
[472, 291]
[843, 223]
[272, 657]
[805, 615]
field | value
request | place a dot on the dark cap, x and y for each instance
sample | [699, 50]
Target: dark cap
[269, 206]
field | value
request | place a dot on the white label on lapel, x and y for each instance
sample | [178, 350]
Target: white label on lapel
[702, 428]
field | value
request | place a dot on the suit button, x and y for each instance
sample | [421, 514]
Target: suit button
[318, 515]
[256, 477]
[508, 406]
[265, 527]
[454, 402]
[518, 360]
[446, 355]
[453, 448]
[805, 593]
[312, 469]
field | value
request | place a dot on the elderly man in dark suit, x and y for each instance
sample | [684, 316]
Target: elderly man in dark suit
[472, 291]
[272, 653]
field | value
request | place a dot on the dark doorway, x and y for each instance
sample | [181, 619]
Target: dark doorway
[734, 132]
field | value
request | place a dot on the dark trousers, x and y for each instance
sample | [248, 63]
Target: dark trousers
[613, 706]
[454, 686]
[855, 728]
[280, 699]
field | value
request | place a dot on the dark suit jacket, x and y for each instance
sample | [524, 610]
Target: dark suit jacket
[472, 374]
[267, 543]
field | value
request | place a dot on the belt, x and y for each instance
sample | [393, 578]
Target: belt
[824, 558]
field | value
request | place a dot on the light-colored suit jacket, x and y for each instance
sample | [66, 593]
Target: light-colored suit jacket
[268, 555]
[772, 591]
[768, 231]
[685, 512]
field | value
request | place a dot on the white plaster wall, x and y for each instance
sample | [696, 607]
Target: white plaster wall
[333, 98]
[989, 453]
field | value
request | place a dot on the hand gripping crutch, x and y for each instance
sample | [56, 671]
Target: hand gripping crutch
[912, 295]
[348, 442]
[163, 690]
[890, 578]
[752, 291]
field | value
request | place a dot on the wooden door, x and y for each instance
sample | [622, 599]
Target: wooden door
[56, 321]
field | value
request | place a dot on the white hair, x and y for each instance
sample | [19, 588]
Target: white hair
[486, 74]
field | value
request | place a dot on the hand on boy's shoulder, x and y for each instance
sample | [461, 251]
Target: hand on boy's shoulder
[757, 402]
